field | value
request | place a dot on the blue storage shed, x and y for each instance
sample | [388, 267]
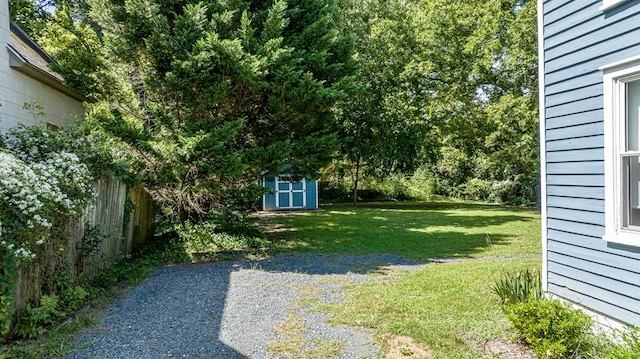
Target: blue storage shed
[289, 192]
[590, 152]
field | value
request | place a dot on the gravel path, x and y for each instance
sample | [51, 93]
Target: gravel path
[233, 309]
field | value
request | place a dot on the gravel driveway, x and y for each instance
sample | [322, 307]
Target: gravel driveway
[234, 309]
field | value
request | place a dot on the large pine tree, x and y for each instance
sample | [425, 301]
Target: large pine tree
[227, 90]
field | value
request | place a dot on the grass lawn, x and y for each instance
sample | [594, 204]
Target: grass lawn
[448, 310]
[414, 230]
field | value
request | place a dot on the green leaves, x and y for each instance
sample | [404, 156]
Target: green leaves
[442, 74]
[519, 287]
[221, 85]
[552, 329]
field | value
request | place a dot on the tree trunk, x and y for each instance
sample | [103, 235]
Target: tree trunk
[355, 183]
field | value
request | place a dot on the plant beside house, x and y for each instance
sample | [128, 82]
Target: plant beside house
[552, 328]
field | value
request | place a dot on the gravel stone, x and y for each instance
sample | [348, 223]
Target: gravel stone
[229, 309]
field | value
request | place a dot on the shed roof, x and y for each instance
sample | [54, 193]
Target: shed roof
[29, 58]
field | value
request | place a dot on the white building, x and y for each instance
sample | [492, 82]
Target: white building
[27, 81]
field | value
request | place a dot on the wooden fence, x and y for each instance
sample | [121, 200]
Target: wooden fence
[119, 219]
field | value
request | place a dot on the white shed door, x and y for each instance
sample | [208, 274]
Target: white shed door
[290, 193]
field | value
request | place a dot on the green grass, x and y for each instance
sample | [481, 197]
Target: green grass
[449, 310]
[413, 230]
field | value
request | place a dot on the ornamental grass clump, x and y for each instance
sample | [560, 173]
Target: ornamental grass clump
[519, 287]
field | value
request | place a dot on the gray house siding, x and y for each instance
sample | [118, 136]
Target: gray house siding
[578, 38]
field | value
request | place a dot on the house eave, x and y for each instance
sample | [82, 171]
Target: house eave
[19, 63]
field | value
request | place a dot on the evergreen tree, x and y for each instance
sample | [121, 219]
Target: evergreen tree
[227, 90]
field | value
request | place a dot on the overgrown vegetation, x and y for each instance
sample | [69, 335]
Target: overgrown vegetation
[45, 181]
[422, 185]
[221, 233]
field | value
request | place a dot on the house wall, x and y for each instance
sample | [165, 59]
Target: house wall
[16, 89]
[578, 38]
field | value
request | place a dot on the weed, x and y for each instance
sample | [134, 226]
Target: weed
[291, 342]
[629, 345]
[36, 320]
[323, 349]
[71, 298]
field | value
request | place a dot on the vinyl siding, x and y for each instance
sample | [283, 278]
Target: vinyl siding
[16, 89]
[581, 266]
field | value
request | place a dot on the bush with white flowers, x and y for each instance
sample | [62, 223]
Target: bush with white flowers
[46, 179]
[39, 189]
[35, 196]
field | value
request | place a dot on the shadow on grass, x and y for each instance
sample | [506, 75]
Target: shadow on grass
[413, 230]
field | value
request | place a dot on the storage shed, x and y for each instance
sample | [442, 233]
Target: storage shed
[590, 152]
[289, 192]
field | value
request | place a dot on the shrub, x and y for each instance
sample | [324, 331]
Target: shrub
[475, 189]
[72, 297]
[205, 237]
[517, 288]
[235, 223]
[6, 314]
[628, 347]
[551, 328]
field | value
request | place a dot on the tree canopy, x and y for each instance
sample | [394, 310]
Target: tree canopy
[212, 94]
[450, 86]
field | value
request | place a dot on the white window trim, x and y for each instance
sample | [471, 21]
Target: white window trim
[543, 141]
[610, 4]
[614, 77]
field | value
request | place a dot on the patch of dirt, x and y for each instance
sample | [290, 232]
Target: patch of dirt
[401, 347]
[507, 350]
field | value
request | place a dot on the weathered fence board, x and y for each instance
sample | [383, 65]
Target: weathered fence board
[121, 217]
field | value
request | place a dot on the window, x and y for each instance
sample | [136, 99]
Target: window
[622, 151]
[630, 157]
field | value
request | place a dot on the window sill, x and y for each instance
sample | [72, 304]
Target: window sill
[626, 238]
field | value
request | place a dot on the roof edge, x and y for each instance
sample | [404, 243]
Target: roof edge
[18, 62]
[29, 41]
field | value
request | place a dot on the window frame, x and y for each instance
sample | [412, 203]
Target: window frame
[615, 78]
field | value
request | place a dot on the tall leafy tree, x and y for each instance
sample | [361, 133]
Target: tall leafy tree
[450, 85]
[383, 130]
[483, 57]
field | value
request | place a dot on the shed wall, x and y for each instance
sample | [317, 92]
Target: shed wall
[578, 39]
